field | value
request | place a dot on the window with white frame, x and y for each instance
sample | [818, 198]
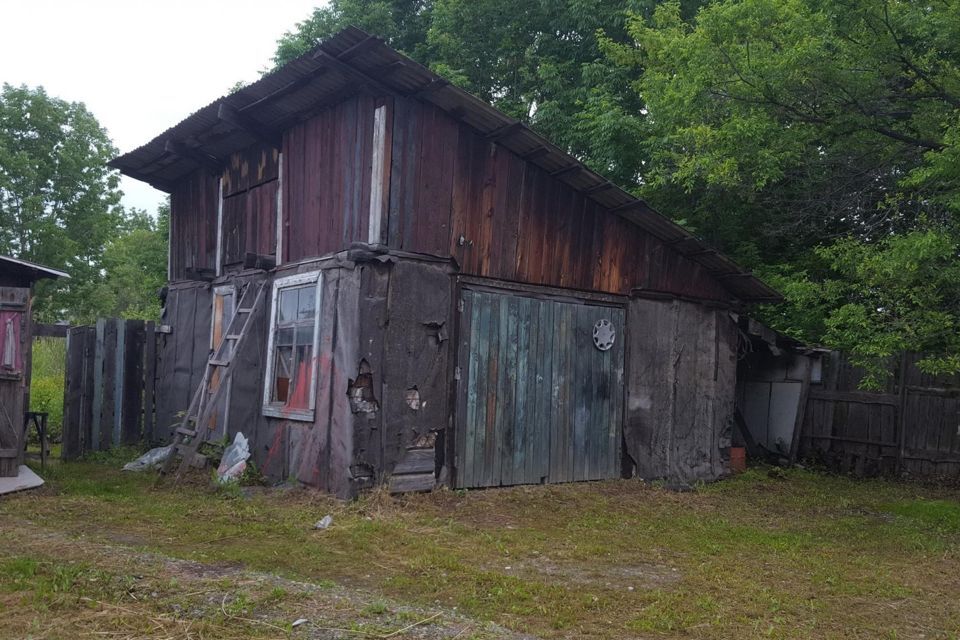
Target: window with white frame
[290, 389]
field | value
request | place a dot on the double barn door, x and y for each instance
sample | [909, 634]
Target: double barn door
[540, 391]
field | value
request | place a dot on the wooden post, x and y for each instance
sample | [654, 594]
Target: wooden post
[801, 411]
[72, 395]
[97, 395]
[131, 431]
[902, 412]
[149, 380]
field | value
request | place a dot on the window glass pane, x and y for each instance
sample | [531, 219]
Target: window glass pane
[284, 336]
[282, 373]
[305, 334]
[308, 302]
[288, 304]
[299, 394]
[294, 329]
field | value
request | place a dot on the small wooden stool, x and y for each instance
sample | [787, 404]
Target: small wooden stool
[39, 421]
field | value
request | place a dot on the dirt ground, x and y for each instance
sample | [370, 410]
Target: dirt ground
[100, 553]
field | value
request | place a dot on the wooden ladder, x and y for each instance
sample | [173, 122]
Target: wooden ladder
[189, 435]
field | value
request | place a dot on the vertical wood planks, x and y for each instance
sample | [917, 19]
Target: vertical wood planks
[94, 442]
[193, 224]
[681, 380]
[109, 391]
[149, 381]
[538, 400]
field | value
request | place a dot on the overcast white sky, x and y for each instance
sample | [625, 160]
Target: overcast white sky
[140, 66]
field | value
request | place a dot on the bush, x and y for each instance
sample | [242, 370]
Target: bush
[46, 382]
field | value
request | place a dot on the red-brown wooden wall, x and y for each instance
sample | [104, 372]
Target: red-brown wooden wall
[326, 180]
[447, 182]
[193, 225]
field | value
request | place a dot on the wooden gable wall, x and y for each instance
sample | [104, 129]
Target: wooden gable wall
[452, 192]
[193, 225]
[250, 184]
[448, 192]
[326, 180]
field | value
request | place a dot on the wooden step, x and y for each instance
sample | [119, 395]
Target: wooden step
[186, 432]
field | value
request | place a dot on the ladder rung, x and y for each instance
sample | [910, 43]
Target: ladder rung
[186, 432]
[232, 336]
[218, 363]
[243, 310]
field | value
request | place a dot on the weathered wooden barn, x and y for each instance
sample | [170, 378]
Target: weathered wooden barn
[17, 278]
[450, 298]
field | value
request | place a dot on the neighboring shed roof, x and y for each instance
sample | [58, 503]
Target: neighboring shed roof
[27, 271]
[352, 61]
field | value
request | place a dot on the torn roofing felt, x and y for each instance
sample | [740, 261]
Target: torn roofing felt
[353, 61]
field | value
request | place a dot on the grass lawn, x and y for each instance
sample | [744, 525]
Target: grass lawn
[99, 553]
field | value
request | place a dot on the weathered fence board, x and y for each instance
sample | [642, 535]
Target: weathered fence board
[109, 392]
[912, 426]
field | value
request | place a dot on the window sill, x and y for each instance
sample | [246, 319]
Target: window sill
[277, 411]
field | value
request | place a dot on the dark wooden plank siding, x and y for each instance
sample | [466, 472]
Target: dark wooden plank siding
[193, 225]
[249, 223]
[181, 354]
[855, 431]
[455, 193]
[326, 176]
[449, 192]
[246, 169]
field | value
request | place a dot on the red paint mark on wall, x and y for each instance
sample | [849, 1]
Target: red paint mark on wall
[276, 447]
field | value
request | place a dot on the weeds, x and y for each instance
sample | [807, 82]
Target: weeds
[802, 556]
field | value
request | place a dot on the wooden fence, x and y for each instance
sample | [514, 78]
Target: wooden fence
[912, 426]
[110, 383]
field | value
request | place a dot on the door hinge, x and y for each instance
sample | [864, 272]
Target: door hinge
[460, 305]
[456, 373]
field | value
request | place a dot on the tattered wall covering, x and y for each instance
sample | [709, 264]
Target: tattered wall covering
[681, 390]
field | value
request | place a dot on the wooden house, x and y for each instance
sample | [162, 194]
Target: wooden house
[452, 299]
[16, 326]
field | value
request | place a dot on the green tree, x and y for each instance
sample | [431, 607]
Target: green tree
[402, 23]
[59, 203]
[134, 270]
[538, 61]
[816, 140]
[791, 121]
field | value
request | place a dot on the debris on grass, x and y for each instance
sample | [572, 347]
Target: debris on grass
[234, 461]
[150, 460]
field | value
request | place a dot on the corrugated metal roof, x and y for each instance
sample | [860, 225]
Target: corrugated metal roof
[352, 61]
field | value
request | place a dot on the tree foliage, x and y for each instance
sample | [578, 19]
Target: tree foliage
[816, 141]
[60, 206]
[134, 270]
[59, 203]
[538, 61]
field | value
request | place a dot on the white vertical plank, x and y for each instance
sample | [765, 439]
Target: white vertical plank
[376, 177]
[219, 223]
[279, 257]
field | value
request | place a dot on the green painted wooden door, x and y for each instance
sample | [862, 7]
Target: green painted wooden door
[538, 401]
